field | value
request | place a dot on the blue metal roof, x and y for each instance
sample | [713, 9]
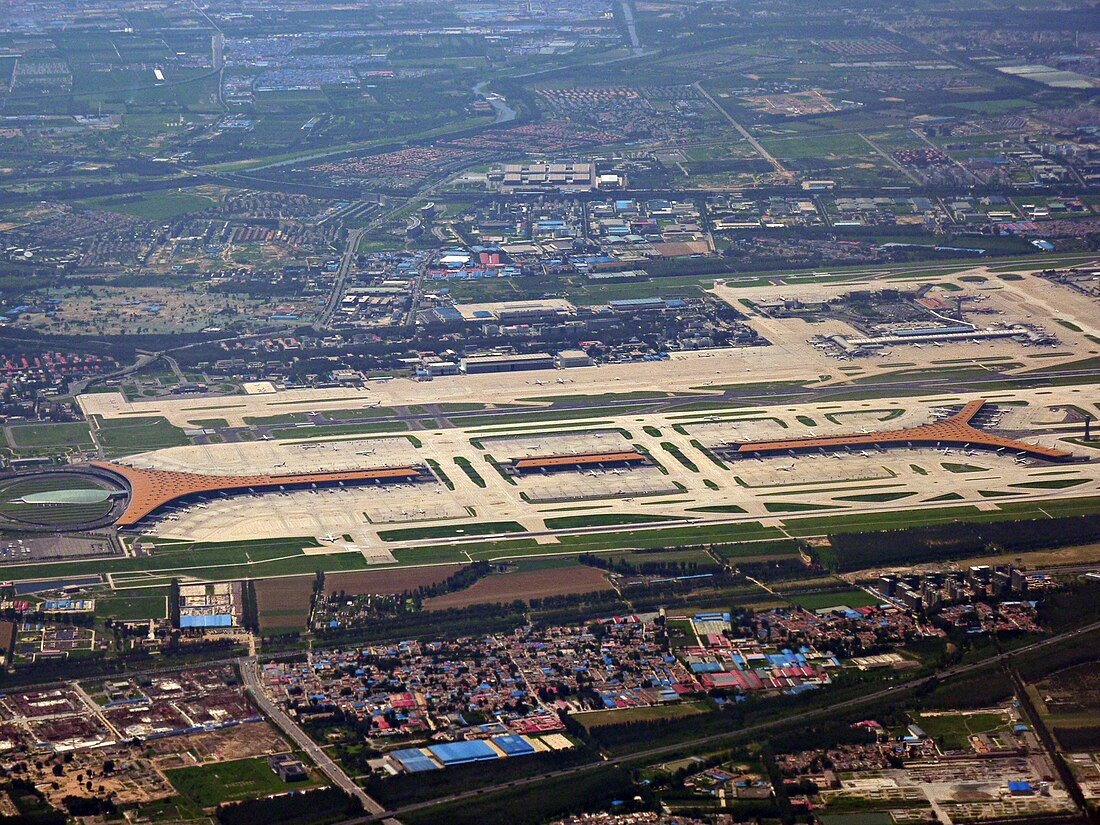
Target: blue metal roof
[217, 620]
[414, 761]
[459, 753]
[513, 745]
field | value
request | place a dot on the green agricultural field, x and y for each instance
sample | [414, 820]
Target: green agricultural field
[597, 718]
[210, 785]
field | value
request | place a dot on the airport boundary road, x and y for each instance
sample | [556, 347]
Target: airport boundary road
[729, 736]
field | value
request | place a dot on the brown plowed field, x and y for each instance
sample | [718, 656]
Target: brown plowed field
[283, 604]
[397, 580]
[535, 584]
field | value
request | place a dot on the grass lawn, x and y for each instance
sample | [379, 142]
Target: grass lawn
[604, 520]
[485, 528]
[246, 558]
[126, 436]
[670, 537]
[210, 785]
[133, 607]
[70, 434]
[848, 598]
[870, 522]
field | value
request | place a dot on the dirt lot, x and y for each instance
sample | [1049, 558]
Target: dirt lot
[284, 603]
[390, 581]
[535, 584]
[240, 742]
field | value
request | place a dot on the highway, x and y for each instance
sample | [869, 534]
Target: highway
[746, 134]
[751, 731]
[631, 27]
[346, 262]
[250, 673]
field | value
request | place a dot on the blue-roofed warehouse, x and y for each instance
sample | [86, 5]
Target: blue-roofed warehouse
[513, 745]
[414, 760]
[217, 620]
[459, 753]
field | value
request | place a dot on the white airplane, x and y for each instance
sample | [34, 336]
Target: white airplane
[786, 468]
[283, 464]
[539, 383]
[266, 437]
[329, 537]
[203, 506]
[1023, 461]
[863, 453]
[947, 451]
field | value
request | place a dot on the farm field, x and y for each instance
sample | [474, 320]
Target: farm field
[536, 584]
[282, 604]
[390, 581]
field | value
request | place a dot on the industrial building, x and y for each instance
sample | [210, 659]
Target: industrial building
[477, 364]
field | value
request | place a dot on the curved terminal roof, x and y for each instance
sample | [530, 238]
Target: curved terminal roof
[67, 497]
[551, 462]
[953, 431]
[151, 489]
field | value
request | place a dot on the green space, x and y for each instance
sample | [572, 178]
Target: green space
[951, 731]
[71, 512]
[1051, 483]
[160, 205]
[69, 434]
[210, 785]
[133, 606]
[486, 528]
[126, 436]
[795, 506]
[598, 718]
[839, 598]
[603, 520]
[891, 496]
[470, 471]
[955, 467]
